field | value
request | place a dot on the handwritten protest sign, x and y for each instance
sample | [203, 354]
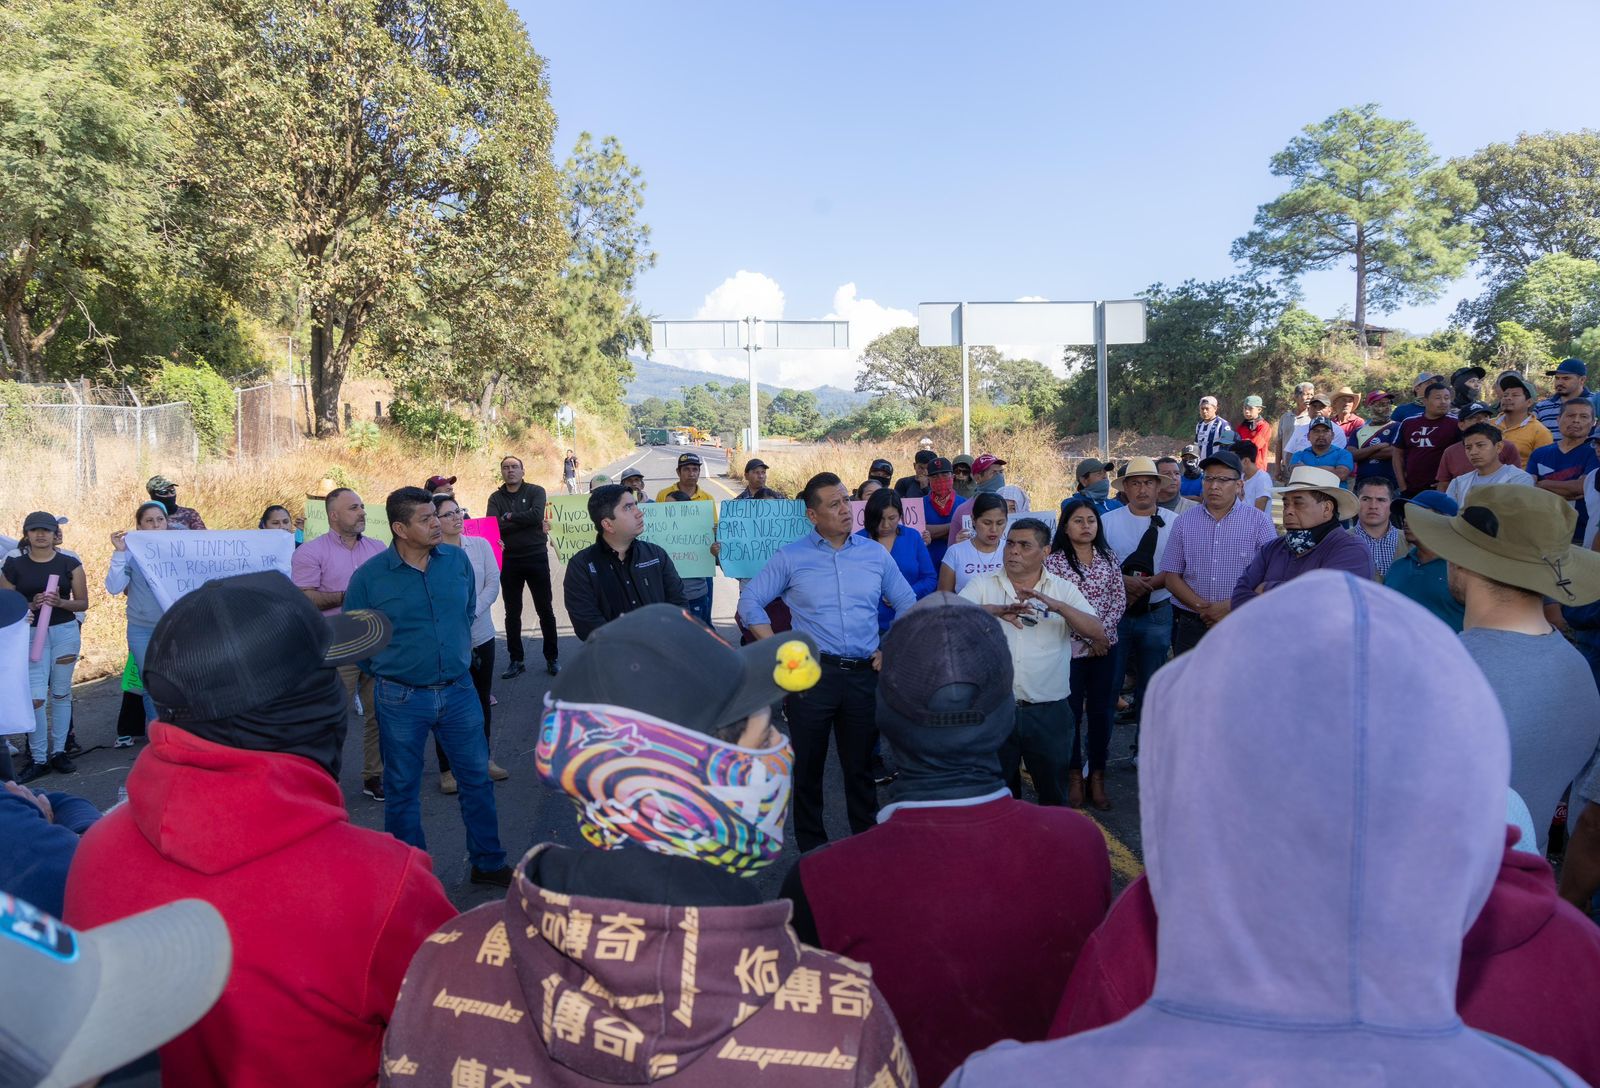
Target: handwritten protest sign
[16, 700]
[684, 529]
[571, 531]
[317, 521]
[910, 514]
[175, 563]
[488, 529]
[752, 529]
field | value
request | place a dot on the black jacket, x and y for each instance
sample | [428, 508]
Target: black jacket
[521, 518]
[594, 592]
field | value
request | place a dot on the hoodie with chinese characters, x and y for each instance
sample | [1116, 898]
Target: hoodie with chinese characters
[572, 980]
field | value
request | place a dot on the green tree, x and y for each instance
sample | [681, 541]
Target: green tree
[653, 412]
[1026, 383]
[85, 143]
[1367, 190]
[1519, 348]
[895, 365]
[794, 412]
[383, 158]
[1587, 345]
[700, 406]
[1537, 196]
[1558, 295]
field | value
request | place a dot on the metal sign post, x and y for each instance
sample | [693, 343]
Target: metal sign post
[714, 335]
[962, 324]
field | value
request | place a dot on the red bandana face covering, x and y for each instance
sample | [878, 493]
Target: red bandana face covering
[942, 489]
[640, 781]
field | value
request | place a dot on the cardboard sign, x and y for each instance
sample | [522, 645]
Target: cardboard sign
[752, 529]
[317, 521]
[571, 529]
[910, 514]
[488, 529]
[177, 563]
[686, 531]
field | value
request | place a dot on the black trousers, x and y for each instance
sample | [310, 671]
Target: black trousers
[1093, 703]
[1042, 739]
[843, 704]
[532, 571]
[1187, 630]
[482, 673]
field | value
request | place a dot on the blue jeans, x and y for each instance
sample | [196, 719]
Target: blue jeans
[139, 645]
[700, 607]
[1143, 642]
[50, 680]
[451, 712]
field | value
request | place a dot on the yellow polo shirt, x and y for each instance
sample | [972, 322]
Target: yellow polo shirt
[1528, 437]
[1041, 655]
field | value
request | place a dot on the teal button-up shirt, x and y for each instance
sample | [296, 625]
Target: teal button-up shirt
[431, 611]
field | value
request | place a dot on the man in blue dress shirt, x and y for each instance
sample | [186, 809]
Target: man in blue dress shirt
[422, 684]
[832, 581]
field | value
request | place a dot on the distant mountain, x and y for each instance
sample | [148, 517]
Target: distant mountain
[652, 379]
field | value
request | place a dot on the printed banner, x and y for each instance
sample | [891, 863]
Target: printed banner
[488, 529]
[317, 521]
[910, 515]
[685, 530]
[752, 529]
[176, 563]
[571, 531]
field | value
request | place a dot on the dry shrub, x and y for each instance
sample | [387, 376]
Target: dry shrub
[232, 495]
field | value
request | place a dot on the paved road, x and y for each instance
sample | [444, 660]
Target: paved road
[530, 813]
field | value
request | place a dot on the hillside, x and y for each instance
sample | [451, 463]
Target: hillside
[652, 379]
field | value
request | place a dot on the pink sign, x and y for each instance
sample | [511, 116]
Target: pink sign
[911, 518]
[42, 625]
[488, 529]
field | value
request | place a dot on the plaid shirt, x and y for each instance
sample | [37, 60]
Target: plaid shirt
[1382, 549]
[1210, 554]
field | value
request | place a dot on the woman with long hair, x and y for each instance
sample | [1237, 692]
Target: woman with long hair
[50, 677]
[882, 520]
[982, 552]
[1079, 553]
[278, 517]
[144, 611]
[487, 572]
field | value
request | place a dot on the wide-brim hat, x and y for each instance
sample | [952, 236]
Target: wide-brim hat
[1518, 535]
[1346, 393]
[1311, 478]
[1137, 466]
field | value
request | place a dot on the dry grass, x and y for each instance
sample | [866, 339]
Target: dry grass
[1036, 460]
[232, 495]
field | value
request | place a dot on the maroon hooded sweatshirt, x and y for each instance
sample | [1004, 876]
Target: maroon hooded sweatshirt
[1530, 967]
[553, 989]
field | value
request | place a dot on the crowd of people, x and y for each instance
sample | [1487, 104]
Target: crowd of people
[1355, 890]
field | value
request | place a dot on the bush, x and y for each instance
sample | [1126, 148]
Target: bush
[209, 396]
[431, 422]
[362, 436]
[15, 420]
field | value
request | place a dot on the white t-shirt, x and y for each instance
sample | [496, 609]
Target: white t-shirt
[1124, 529]
[1041, 654]
[1296, 429]
[968, 562]
[1257, 486]
[1505, 474]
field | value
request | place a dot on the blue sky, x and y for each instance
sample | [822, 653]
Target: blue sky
[856, 159]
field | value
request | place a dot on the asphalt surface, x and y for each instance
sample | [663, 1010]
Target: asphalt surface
[530, 813]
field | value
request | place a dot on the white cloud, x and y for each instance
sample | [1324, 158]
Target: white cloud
[746, 294]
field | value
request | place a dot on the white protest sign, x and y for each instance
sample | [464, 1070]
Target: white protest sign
[175, 563]
[16, 700]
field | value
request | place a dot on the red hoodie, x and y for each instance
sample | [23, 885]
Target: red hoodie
[324, 917]
[1530, 967]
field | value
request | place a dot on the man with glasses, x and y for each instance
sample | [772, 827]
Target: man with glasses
[1210, 547]
[618, 572]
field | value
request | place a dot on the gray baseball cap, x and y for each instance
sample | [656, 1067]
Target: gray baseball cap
[81, 1003]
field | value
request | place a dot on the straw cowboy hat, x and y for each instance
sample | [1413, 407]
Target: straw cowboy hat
[1345, 393]
[1311, 478]
[1136, 467]
[1518, 535]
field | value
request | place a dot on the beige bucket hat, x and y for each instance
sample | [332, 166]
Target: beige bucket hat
[1518, 535]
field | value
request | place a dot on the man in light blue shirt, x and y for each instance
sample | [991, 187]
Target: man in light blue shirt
[832, 581]
[1324, 452]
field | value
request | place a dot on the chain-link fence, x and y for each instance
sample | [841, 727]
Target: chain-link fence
[78, 434]
[269, 420]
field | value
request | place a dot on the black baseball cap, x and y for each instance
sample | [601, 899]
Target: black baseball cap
[689, 459]
[754, 463]
[945, 640]
[940, 466]
[881, 467]
[238, 643]
[630, 473]
[661, 661]
[924, 456]
[1227, 459]
[1476, 408]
